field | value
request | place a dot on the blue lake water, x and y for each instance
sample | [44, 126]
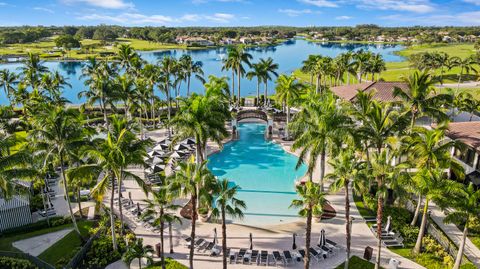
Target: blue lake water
[288, 55]
[265, 173]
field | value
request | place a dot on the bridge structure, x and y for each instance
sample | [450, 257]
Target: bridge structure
[252, 114]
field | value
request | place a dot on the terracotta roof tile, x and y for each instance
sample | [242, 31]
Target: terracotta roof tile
[466, 132]
[384, 90]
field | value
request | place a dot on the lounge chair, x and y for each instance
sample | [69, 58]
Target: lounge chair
[302, 254]
[327, 251]
[216, 250]
[254, 257]
[232, 256]
[331, 243]
[240, 255]
[263, 258]
[209, 247]
[278, 258]
[288, 256]
[393, 244]
[199, 242]
[203, 246]
[315, 254]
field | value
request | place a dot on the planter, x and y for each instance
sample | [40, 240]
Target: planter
[204, 217]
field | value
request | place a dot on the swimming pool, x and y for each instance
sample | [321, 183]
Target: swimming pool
[265, 173]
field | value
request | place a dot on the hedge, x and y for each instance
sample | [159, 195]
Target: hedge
[15, 263]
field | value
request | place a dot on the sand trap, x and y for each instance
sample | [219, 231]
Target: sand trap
[38, 244]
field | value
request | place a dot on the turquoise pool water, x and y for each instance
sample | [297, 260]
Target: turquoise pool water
[265, 173]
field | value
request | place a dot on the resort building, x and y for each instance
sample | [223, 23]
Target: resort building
[384, 90]
[14, 212]
[468, 133]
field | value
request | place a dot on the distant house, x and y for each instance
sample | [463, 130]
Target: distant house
[14, 212]
[383, 90]
[200, 41]
[246, 40]
[468, 133]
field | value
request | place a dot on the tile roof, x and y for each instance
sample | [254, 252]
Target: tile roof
[466, 132]
[384, 90]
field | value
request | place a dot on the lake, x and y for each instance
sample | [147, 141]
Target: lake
[288, 56]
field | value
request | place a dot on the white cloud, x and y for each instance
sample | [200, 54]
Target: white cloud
[417, 6]
[320, 3]
[3, 4]
[142, 19]
[198, 2]
[458, 19]
[44, 9]
[343, 18]
[475, 2]
[295, 12]
[109, 4]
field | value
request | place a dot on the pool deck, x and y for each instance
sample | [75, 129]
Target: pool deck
[266, 237]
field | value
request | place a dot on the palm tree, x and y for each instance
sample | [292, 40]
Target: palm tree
[310, 202]
[188, 181]
[432, 155]
[317, 128]
[237, 56]
[288, 92]
[421, 98]
[126, 89]
[149, 76]
[226, 203]
[308, 66]
[443, 60]
[466, 206]
[347, 170]
[32, 69]
[7, 81]
[57, 131]
[167, 67]
[190, 68]
[362, 59]
[258, 72]
[269, 68]
[160, 208]
[377, 65]
[466, 65]
[136, 250]
[127, 58]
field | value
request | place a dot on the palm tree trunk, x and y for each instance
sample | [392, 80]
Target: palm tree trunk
[112, 216]
[238, 79]
[322, 168]
[418, 244]
[461, 247]
[311, 78]
[79, 201]
[317, 85]
[417, 210]
[193, 199]
[266, 93]
[348, 78]
[105, 115]
[169, 108]
[379, 227]
[120, 210]
[65, 188]
[233, 82]
[459, 80]
[170, 235]
[347, 223]
[188, 86]
[288, 122]
[224, 239]
[308, 235]
[162, 253]
[258, 91]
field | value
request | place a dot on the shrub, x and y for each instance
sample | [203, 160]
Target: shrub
[433, 247]
[242, 101]
[15, 263]
[370, 202]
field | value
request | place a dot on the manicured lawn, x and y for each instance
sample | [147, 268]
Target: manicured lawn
[6, 242]
[64, 249]
[357, 263]
[427, 260]
[475, 240]
[148, 45]
[364, 211]
[169, 264]
[459, 50]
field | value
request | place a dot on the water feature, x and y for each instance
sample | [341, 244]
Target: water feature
[288, 55]
[265, 173]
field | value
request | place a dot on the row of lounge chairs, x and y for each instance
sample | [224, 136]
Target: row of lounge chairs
[390, 238]
[263, 257]
[134, 212]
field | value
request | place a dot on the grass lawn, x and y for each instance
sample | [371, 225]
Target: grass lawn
[459, 50]
[169, 264]
[6, 242]
[357, 263]
[364, 211]
[149, 45]
[475, 240]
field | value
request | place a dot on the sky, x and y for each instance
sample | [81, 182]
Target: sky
[240, 12]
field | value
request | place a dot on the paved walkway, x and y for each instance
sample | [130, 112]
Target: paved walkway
[38, 244]
[455, 234]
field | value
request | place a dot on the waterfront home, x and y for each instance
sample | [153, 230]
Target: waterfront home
[383, 90]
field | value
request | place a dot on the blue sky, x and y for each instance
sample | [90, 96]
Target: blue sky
[239, 12]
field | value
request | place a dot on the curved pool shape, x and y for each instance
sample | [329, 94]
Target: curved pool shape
[265, 173]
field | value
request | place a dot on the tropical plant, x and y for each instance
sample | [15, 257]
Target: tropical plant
[32, 69]
[167, 68]
[136, 250]
[465, 65]
[227, 204]
[257, 72]
[310, 202]
[236, 57]
[288, 91]
[8, 80]
[191, 68]
[269, 69]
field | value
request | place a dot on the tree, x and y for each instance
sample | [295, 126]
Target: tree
[317, 128]
[227, 204]
[310, 202]
[308, 66]
[167, 68]
[467, 207]
[128, 58]
[8, 80]
[67, 42]
[191, 68]
[347, 170]
[376, 65]
[362, 60]
[235, 59]
[136, 250]
[421, 98]
[161, 209]
[258, 72]
[57, 131]
[188, 181]
[466, 65]
[288, 91]
[269, 68]
[32, 69]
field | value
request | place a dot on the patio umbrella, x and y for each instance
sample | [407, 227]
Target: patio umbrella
[157, 160]
[251, 241]
[188, 141]
[215, 236]
[160, 147]
[181, 147]
[165, 142]
[294, 245]
[321, 239]
[389, 223]
[158, 168]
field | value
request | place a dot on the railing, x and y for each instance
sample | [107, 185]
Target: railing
[77, 260]
[19, 255]
[252, 114]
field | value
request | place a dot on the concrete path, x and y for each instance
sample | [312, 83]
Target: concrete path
[38, 244]
[452, 231]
